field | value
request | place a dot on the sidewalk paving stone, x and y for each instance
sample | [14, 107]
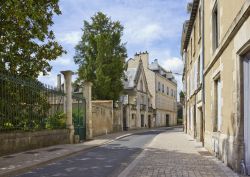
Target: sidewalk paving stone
[175, 154]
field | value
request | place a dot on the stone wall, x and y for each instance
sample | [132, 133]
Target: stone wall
[117, 119]
[17, 142]
[102, 117]
[105, 118]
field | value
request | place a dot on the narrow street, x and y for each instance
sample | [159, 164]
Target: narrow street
[162, 152]
[107, 160]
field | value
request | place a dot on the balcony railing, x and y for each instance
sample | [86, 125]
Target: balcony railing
[143, 107]
[133, 106]
[150, 109]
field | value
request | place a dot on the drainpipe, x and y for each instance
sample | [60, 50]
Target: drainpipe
[203, 56]
[185, 98]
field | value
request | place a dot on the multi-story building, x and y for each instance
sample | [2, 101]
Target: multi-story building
[192, 54]
[225, 88]
[137, 100]
[162, 87]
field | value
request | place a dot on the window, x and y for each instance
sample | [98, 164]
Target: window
[200, 22]
[198, 77]
[172, 92]
[215, 26]
[141, 85]
[217, 105]
[162, 88]
[194, 39]
[191, 118]
[191, 50]
[167, 91]
[142, 99]
[195, 75]
[159, 86]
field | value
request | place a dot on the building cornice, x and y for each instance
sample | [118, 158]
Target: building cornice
[191, 23]
[231, 32]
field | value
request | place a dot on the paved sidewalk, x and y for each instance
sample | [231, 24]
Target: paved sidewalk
[20, 162]
[175, 154]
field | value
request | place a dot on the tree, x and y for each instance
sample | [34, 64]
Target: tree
[27, 43]
[100, 55]
[182, 97]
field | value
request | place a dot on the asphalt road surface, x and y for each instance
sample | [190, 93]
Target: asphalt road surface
[104, 161]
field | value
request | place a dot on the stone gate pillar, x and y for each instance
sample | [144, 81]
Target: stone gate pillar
[87, 93]
[68, 103]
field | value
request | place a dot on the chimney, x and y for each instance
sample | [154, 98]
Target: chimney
[59, 82]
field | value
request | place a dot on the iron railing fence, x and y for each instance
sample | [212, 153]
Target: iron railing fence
[28, 105]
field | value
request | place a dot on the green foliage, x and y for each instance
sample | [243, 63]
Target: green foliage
[78, 116]
[27, 43]
[182, 95]
[56, 121]
[179, 121]
[25, 105]
[100, 55]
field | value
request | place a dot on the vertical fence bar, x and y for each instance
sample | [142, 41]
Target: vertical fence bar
[28, 105]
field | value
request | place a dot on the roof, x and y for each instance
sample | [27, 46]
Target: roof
[190, 24]
[130, 74]
[156, 67]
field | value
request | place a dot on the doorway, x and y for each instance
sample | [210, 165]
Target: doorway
[149, 122]
[125, 122]
[246, 71]
[167, 120]
[202, 127]
[195, 125]
[142, 120]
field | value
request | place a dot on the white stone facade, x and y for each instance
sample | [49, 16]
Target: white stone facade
[162, 87]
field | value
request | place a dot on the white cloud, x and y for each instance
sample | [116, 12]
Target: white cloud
[71, 38]
[140, 33]
[63, 61]
[173, 64]
[50, 79]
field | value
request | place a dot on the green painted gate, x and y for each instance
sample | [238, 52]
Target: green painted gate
[79, 115]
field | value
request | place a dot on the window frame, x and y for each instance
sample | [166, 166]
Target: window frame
[215, 27]
[217, 104]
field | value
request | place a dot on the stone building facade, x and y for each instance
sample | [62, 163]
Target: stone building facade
[138, 111]
[223, 48]
[162, 87]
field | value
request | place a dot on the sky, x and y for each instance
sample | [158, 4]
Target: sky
[149, 25]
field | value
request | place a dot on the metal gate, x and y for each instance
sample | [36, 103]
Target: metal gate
[79, 115]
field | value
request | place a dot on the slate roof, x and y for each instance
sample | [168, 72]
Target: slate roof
[129, 81]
